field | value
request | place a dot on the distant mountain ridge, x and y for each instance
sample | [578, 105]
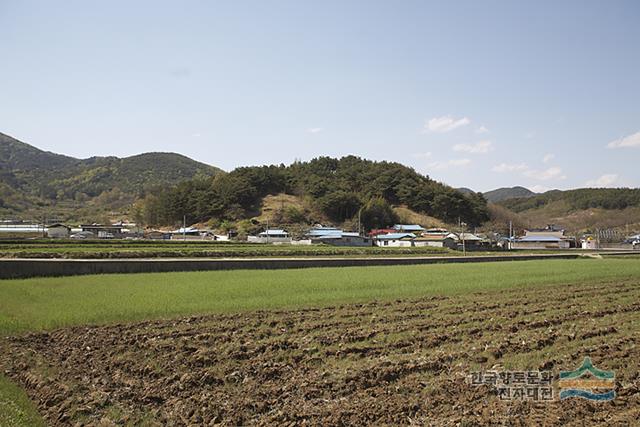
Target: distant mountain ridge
[506, 193]
[500, 194]
[41, 177]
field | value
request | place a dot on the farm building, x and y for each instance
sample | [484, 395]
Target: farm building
[270, 236]
[437, 241]
[58, 231]
[343, 239]
[540, 242]
[104, 231]
[436, 231]
[188, 233]
[395, 239]
[322, 231]
[471, 241]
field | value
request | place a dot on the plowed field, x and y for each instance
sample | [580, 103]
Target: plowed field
[398, 362]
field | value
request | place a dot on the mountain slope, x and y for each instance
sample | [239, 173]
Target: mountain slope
[583, 209]
[41, 178]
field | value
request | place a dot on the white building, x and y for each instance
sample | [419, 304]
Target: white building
[270, 236]
[395, 240]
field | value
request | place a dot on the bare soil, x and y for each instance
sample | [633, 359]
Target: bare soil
[381, 363]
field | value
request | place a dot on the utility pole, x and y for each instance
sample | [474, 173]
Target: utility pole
[464, 247]
[460, 224]
[184, 228]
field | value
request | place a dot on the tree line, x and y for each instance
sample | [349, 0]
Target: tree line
[340, 188]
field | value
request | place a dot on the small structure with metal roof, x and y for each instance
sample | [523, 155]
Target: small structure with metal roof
[409, 228]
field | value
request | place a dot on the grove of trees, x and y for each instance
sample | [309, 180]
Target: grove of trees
[339, 188]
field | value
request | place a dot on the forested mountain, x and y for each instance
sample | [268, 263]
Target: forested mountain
[30, 177]
[584, 198]
[338, 188]
[506, 193]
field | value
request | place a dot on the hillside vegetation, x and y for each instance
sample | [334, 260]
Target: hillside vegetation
[584, 198]
[33, 180]
[337, 189]
[578, 210]
[506, 193]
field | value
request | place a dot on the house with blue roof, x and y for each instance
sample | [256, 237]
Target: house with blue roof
[337, 237]
[409, 228]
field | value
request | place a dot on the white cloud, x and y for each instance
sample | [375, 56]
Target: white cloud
[539, 189]
[478, 147]
[196, 135]
[453, 163]
[315, 130]
[510, 167]
[606, 180]
[445, 124]
[482, 129]
[546, 174]
[426, 155]
[548, 157]
[632, 140]
[529, 135]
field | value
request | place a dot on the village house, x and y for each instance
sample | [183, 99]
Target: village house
[395, 239]
[550, 237]
[470, 241]
[337, 237]
[435, 240]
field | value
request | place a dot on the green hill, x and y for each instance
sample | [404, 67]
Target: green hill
[337, 189]
[33, 181]
[507, 193]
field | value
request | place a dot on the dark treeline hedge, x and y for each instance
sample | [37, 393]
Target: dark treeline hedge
[337, 187]
[585, 198]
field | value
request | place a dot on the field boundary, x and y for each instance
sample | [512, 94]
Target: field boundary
[15, 268]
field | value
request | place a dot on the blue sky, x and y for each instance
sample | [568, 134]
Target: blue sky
[481, 94]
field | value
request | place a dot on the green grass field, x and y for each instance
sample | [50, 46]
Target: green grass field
[49, 303]
[46, 303]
